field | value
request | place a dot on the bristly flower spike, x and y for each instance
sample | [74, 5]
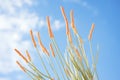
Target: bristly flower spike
[67, 26]
[78, 54]
[72, 22]
[66, 21]
[91, 31]
[41, 44]
[67, 72]
[20, 54]
[49, 28]
[28, 56]
[73, 25]
[51, 48]
[70, 38]
[21, 66]
[33, 40]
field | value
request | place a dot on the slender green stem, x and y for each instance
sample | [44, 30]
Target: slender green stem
[42, 62]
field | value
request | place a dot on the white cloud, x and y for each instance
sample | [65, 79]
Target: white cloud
[21, 21]
[11, 6]
[73, 1]
[4, 79]
[88, 6]
[15, 22]
[42, 23]
[9, 41]
[13, 26]
[84, 4]
[57, 24]
[17, 77]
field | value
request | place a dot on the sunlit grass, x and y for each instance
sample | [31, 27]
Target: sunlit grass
[73, 66]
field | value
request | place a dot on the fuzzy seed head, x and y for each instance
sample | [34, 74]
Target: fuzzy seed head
[20, 54]
[91, 31]
[51, 48]
[70, 38]
[72, 22]
[41, 44]
[20, 66]
[66, 21]
[32, 37]
[28, 56]
[78, 54]
[49, 28]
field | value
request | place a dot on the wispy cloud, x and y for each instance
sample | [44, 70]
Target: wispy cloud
[73, 1]
[17, 77]
[11, 6]
[84, 4]
[88, 6]
[15, 22]
[4, 79]
[57, 24]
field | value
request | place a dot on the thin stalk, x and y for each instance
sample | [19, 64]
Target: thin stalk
[91, 53]
[53, 68]
[36, 70]
[59, 54]
[57, 62]
[43, 62]
[32, 74]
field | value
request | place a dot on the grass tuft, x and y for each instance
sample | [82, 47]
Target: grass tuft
[74, 66]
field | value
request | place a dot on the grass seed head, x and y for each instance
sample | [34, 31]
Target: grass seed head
[72, 22]
[66, 21]
[20, 54]
[41, 44]
[70, 38]
[51, 48]
[32, 37]
[49, 28]
[28, 56]
[20, 66]
[91, 31]
[78, 54]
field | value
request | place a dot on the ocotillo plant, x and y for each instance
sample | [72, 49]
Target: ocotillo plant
[74, 66]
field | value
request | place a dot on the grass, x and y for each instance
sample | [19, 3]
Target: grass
[73, 66]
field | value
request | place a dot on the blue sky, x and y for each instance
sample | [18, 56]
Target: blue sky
[17, 17]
